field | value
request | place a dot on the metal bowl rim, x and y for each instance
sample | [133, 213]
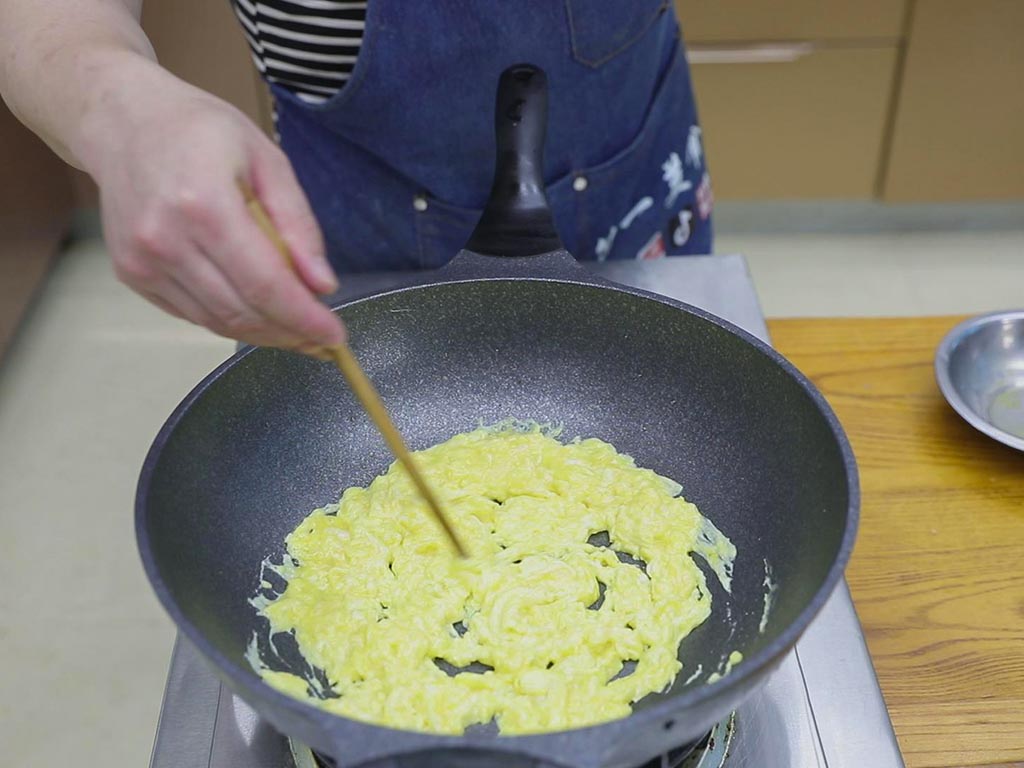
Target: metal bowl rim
[950, 342]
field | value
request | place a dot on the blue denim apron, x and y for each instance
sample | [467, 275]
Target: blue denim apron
[397, 165]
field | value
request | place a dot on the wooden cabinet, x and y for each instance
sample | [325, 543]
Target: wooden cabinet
[794, 95]
[794, 123]
[908, 101]
[717, 21]
[35, 210]
[959, 119]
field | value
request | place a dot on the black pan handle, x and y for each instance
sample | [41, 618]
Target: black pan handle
[517, 219]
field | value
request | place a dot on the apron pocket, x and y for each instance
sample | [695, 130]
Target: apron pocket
[601, 31]
[643, 202]
[442, 229]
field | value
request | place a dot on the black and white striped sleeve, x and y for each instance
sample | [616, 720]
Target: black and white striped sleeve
[307, 46]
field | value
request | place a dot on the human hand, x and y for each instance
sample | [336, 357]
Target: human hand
[168, 159]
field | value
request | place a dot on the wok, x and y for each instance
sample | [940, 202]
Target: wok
[269, 436]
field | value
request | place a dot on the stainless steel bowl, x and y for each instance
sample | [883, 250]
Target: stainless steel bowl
[980, 368]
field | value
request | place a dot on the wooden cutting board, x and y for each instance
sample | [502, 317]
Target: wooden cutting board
[938, 572]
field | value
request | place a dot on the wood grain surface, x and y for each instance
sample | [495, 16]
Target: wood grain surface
[938, 572]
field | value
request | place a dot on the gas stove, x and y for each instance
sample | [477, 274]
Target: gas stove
[822, 708]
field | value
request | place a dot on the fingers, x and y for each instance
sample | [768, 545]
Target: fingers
[277, 188]
[262, 278]
[182, 236]
[169, 305]
[180, 278]
[231, 314]
[138, 267]
[171, 295]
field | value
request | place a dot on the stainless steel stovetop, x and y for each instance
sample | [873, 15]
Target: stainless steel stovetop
[821, 709]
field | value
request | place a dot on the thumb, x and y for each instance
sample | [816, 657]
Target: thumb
[274, 183]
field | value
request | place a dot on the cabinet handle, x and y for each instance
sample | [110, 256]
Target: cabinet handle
[758, 53]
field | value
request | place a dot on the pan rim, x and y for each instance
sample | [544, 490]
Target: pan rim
[753, 668]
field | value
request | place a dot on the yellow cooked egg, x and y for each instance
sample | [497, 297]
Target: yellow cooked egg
[572, 605]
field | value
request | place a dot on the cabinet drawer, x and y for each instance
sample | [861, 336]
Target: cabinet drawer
[740, 20]
[959, 128]
[792, 121]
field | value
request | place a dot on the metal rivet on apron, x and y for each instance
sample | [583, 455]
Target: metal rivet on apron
[419, 203]
[580, 183]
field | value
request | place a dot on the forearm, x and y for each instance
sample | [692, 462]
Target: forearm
[63, 63]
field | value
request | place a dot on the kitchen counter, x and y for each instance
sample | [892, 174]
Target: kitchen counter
[105, 644]
[938, 572]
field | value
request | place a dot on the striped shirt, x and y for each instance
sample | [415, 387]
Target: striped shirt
[307, 46]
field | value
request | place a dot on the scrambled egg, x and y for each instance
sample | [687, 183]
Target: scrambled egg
[578, 591]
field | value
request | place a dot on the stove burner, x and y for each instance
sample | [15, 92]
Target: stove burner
[709, 752]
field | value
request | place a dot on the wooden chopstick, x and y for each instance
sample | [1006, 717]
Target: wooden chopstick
[360, 384]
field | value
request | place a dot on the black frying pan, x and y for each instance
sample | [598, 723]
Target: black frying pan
[269, 436]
